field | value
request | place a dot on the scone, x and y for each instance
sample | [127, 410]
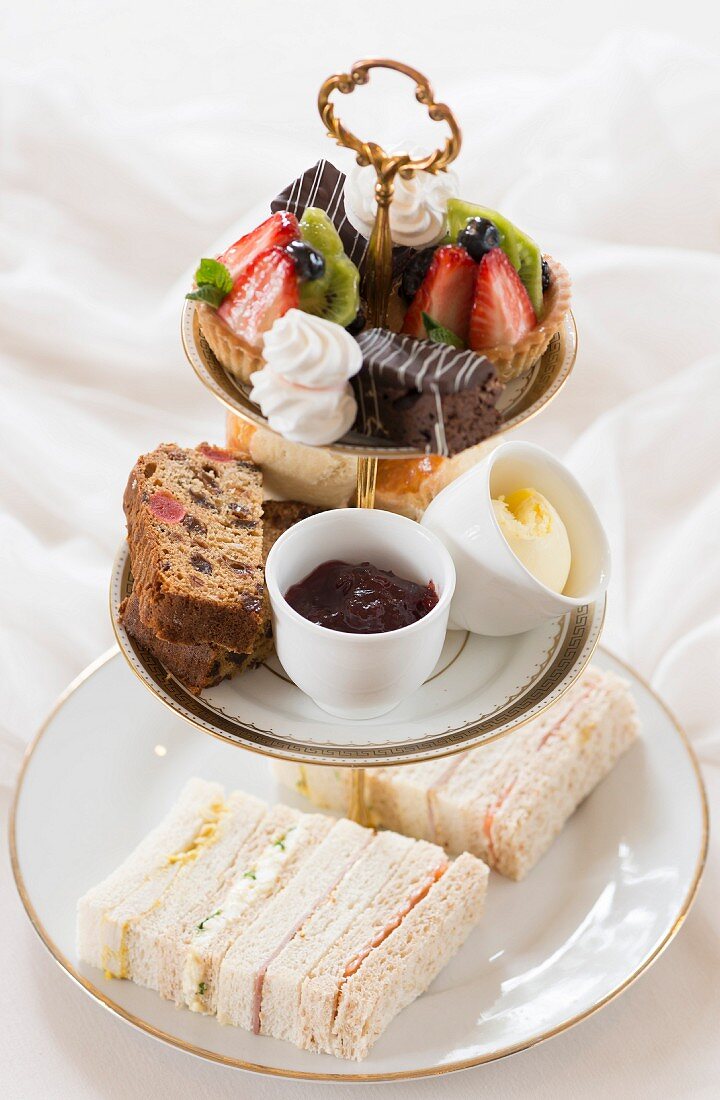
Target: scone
[292, 471]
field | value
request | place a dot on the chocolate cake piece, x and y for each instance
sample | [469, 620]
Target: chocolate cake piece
[194, 520]
[205, 665]
[322, 186]
[426, 395]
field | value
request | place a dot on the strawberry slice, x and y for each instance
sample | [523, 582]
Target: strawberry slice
[279, 229]
[502, 312]
[445, 294]
[264, 291]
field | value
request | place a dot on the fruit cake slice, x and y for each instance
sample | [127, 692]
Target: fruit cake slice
[195, 666]
[204, 665]
[194, 519]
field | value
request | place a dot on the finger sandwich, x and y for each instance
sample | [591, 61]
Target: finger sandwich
[297, 926]
[507, 801]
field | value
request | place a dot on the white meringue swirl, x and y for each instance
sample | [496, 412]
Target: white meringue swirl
[310, 350]
[303, 389]
[418, 212]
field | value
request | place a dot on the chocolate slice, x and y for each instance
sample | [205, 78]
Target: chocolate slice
[323, 185]
[425, 395]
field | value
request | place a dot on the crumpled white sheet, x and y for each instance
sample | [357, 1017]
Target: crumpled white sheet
[615, 169]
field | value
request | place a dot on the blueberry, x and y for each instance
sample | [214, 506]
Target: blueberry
[546, 276]
[478, 237]
[309, 263]
[414, 273]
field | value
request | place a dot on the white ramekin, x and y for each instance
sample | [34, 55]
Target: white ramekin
[495, 593]
[358, 675]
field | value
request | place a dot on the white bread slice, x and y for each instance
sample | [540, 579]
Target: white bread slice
[242, 973]
[559, 770]
[327, 788]
[391, 794]
[194, 882]
[320, 990]
[105, 912]
[399, 797]
[507, 801]
[279, 1010]
[193, 953]
[404, 965]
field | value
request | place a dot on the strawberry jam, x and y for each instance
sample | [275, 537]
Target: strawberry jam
[360, 599]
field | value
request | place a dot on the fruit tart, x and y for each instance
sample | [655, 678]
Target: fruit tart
[474, 303]
[273, 309]
[486, 287]
[283, 264]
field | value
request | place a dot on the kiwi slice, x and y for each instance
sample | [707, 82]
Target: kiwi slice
[459, 213]
[336, 295]
[319, 231]
[521, 251]
[530, 270]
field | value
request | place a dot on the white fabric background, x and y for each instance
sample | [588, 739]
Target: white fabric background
[132, 137]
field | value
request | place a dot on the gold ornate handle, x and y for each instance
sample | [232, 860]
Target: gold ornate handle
[379, 270]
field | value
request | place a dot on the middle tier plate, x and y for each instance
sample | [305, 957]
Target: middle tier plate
[481, 689]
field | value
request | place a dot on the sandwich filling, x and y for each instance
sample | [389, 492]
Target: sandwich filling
[394, 922]
[205, 837]
[252, 884]
[262, 970]
[114, 931]
[553, 732]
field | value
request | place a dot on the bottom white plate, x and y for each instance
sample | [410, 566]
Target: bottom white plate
[595, 913]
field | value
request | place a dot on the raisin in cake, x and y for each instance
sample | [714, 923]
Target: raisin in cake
[194, 519]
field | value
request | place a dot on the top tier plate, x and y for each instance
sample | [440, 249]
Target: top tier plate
[521, 399]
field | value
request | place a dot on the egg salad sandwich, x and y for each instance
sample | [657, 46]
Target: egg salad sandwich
[297, 926]
[507, 801]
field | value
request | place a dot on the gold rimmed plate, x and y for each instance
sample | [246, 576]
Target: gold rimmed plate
[592, 916]
[521, 399]
[481, 689]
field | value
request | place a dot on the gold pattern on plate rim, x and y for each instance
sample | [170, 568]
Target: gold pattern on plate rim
[548, 377]
[580, 634]
[401, 1075]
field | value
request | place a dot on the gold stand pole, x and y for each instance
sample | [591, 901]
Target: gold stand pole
[366, 480]
[357, 807]
[378, 274]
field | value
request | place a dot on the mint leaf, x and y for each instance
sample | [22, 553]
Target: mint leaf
[213, 281]
[207, 293]
[213, 273]
[439, 334]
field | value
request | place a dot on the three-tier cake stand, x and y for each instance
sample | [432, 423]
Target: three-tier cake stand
[289, 726]
[553, 949]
